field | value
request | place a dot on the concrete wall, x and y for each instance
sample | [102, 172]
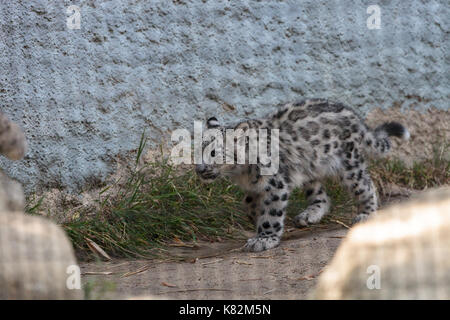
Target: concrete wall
[85, 96]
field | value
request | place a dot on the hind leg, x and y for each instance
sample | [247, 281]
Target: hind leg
[318, 205]
[358, 182]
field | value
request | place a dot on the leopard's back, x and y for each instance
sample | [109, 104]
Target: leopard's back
[317, 135]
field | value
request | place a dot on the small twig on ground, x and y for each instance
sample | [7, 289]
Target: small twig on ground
[262, 257]
[242, 262]
[166, 284]
[117, 265]
[341, 223]
[101, 273]
[184, 245]
[311, 276]
[95, 248]
[210, 262]
[271, 290]
[141, 269]
[193, 260]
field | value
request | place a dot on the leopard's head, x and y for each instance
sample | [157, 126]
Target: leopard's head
[213, 157]
[215, 161]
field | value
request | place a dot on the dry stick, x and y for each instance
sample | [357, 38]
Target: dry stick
[141, 269]
[148, 266]
[170, 285]
[311, 276]
[262, 257]
[117, 265]
[186, 245]
[211, 255]
[96, 249]
[101, 273]
[271, 290]
[206, 263]
[341, 223]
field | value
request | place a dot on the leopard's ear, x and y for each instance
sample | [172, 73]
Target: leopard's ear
[212, 123]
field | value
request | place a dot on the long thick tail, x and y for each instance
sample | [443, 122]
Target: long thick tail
[378, 142]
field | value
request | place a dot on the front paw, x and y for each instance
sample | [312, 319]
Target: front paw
[258, 244]
[306, 218]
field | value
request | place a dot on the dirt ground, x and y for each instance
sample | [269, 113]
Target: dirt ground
[221, 270]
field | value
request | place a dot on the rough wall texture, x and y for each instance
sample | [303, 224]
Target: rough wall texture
[85, 96]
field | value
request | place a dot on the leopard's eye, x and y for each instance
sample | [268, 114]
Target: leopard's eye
[213, 153]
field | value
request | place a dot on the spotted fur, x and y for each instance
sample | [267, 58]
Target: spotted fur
[317, 139]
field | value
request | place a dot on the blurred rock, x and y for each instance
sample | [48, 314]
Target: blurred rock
[11, 194]
[404, 251]
[35, 258]
[12, 140]
[12, 145]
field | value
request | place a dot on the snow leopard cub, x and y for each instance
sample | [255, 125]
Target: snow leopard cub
[317, 138]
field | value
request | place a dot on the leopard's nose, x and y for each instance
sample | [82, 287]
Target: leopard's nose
[200, 168]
